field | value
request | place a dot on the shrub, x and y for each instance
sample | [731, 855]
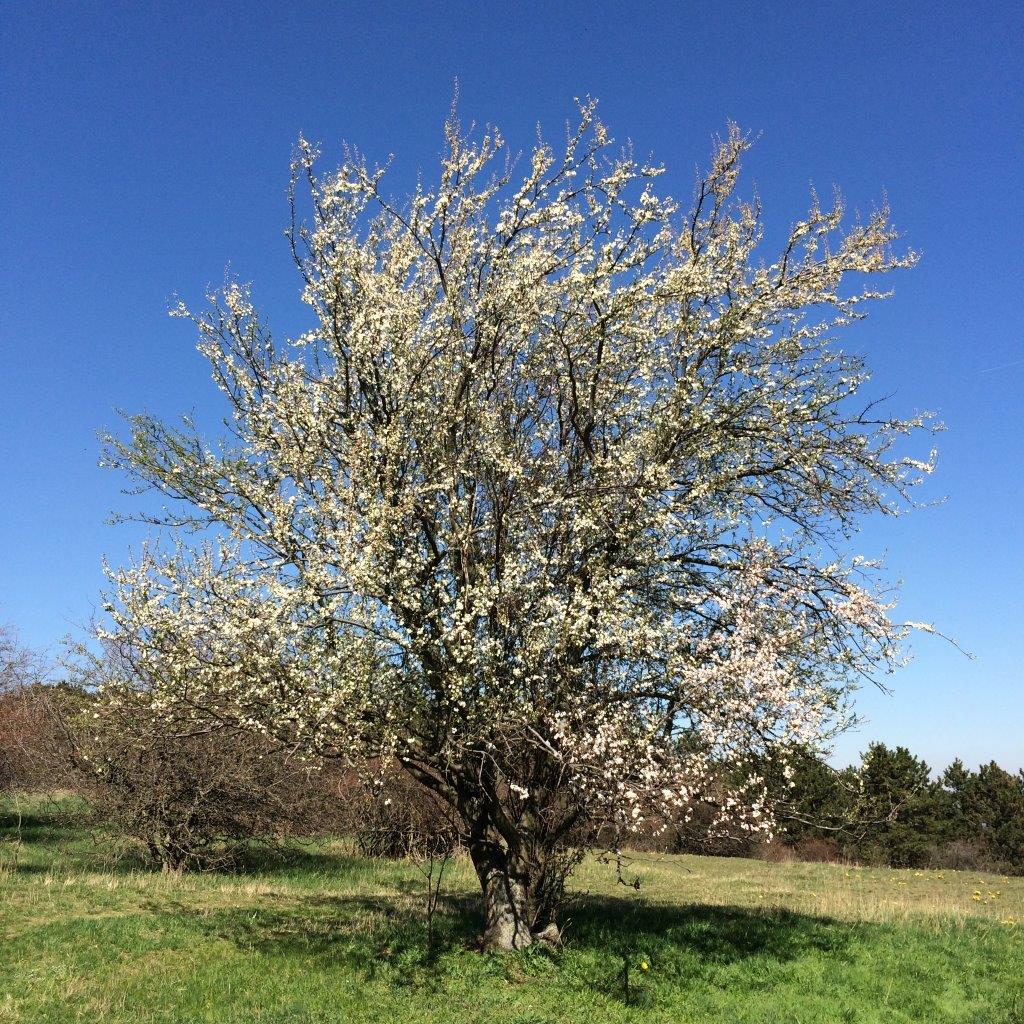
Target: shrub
[22, 728]
[387, 814]
[818, 848]
[185, 794]
[961, 855]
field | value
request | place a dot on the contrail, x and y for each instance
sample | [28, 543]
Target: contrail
[1002, 366]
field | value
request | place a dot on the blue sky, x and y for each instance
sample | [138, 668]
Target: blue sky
[145, 148]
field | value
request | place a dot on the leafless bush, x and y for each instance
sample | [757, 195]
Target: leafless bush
[21, 728]
[775, 852]
[819, 849]
[689, 830]
[962, 855]
[185, 795]
[21, 725]
[387, 814]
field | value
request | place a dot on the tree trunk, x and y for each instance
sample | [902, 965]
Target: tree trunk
[506, 893]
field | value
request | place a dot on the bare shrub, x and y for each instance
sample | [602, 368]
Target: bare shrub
[387, 814]
[775, 852]
[962, 855]
[688, 829]
[184, 796]
[818, 849]
[23, 728]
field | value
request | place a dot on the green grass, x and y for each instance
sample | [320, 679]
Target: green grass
[323, 936]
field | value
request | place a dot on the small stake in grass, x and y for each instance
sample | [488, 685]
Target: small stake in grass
[643, 966]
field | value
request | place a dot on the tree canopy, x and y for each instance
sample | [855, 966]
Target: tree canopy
[547, 502]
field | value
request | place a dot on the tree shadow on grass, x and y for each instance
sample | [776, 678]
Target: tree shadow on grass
[37, 842]
[36, 828]
[293, 857]
[363, 932]
[385, 939]
[724, 934]
[62, 835]
[679, 942]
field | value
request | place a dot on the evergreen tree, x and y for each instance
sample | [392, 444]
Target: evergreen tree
[897, 811]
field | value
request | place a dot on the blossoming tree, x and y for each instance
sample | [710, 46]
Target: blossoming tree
[541, 507]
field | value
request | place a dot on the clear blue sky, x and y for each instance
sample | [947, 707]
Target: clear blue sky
[145, 148]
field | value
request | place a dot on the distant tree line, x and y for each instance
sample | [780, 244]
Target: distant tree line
[890, 810]
[887, 810]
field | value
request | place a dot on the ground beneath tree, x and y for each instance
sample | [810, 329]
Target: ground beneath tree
[322, 936]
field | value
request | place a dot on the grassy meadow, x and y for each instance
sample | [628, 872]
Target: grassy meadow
[320, 935]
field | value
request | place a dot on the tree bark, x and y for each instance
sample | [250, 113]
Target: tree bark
[506, 895]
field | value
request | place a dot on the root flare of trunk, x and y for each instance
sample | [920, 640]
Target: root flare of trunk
[549, 935]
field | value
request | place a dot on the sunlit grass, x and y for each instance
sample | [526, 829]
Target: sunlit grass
[324, 936]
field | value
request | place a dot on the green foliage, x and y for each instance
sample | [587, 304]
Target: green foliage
[816, 801]
[888, 811]
[987, 808]
[896, 808]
